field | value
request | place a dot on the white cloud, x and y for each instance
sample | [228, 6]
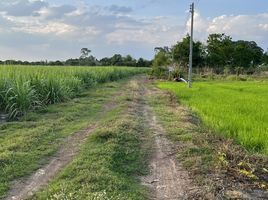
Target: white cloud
[56, 12]
[39, 28]
[56, 28]
[264, 27]
[244, 27]
[21, 7]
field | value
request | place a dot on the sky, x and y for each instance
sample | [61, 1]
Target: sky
[57, 29]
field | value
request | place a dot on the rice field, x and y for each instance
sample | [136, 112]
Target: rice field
[25, 88]
[238, 110]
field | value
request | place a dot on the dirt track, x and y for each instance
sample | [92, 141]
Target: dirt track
[23, 189]
[167, 179]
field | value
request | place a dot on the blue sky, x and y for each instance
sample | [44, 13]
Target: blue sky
[58, 29]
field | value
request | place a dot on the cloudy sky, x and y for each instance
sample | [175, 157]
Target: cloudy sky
[58, 29]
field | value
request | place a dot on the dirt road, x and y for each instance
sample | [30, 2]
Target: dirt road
[166, 180]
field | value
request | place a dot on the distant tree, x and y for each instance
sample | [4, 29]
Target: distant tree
[160, 63]
[117, 60]
[141, 63]
[129, 61]
[181, 51]
[56, 63]
[105, 61]
[247, 54]
[219, 50]
[72, 62]
[164, 49]
[84, 52]
[265, 58]
[161, 59]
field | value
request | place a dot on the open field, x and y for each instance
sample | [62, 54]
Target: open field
[120, 140]
[238, 110]
[30, 88]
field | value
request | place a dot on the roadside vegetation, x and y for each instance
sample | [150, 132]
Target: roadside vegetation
[220, 56]
[27, 88]
[221, 168]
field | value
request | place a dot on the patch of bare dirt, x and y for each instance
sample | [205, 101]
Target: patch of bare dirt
[167, 179]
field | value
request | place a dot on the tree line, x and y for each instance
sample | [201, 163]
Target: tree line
[220, 53]
[88, 60]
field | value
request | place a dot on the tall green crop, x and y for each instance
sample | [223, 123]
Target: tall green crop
[24, 88]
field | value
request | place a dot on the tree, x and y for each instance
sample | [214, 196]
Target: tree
[105, 61]
[85, 52]
[117, 60]
[181, 51]
[129, 61]
[162, 49]
[161, 59]
[265, 58]
[160, 63]
[247, 54]
[219, 50]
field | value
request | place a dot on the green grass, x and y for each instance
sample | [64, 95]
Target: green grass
[110, 162]
[25, 144]
[26, 88]
[238, 110]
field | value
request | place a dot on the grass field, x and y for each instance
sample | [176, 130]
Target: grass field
[24, 88]
[238, 110]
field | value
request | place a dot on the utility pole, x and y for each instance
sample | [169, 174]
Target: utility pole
[191, 47]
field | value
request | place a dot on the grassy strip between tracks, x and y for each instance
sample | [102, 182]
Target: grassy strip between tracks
[111, 160]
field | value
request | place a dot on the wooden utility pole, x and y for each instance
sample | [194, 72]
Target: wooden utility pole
[191, 47]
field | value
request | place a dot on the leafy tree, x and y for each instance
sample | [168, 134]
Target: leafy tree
[219, 50]
[160, 62]
[247, 54]
[162, 49]
[265, 58]
[117, 60]
[85, 52]
[72, 62]
[129, 61]
[181, 52]
[105, 61]
[161, 59]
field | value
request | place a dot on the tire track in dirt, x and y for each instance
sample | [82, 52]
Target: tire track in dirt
[24, 189]
[27, 187]
[167, 179]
